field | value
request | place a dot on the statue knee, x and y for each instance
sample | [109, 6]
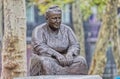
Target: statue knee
[83, 64]
[82, 60]
[46, 60]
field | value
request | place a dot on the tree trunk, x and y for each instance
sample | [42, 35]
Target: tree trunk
[115, 36]
[118, 3]
[14, 40]
[0, 18]
[99, 58]
[0, 31]
[78, 26]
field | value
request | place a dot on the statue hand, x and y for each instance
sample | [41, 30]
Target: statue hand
[69, 58]
[61, 59]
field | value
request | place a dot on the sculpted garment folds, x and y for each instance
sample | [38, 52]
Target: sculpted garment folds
[56, 49]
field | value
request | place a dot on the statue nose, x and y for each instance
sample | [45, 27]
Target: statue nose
[58, 20]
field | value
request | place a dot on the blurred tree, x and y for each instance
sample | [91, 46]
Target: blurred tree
[83, 8]
[0, 18]
[44, 4]
[78, 26]
[0, 30]
[14, 40]
[115, 35]
[86, 5]
[108, 31]
[118, 3]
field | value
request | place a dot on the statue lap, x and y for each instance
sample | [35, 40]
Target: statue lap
[43, 65]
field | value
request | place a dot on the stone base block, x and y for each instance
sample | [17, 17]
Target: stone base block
[62, 77]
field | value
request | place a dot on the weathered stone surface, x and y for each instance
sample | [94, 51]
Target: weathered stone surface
[63, 77]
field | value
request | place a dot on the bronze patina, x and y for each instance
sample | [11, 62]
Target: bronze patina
[56, 49]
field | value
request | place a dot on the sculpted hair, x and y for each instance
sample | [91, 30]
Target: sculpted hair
[53, 8]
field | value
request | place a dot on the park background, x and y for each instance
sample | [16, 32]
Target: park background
[94, 23]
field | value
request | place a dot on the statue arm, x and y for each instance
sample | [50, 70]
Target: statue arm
[39, 44]
[74, 47]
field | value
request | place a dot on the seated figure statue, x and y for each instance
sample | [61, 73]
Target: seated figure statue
[56, 49]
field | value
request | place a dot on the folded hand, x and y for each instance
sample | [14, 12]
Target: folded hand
[69, 58]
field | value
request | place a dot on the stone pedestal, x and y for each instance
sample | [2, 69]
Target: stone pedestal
[62, 77]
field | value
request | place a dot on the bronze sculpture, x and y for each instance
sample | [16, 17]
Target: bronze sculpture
[56, 49]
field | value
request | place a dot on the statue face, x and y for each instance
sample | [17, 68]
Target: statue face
[54, 20]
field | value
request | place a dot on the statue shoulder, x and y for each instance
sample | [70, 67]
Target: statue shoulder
[68, 28]
[39, 27]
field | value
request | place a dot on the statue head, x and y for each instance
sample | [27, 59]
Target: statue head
[53, 17]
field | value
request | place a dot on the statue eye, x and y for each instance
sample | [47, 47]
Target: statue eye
[54, 18]
[59, 17]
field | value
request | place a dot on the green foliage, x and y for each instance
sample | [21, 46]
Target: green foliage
[86, 5]
[85, 8]
[44, 4]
